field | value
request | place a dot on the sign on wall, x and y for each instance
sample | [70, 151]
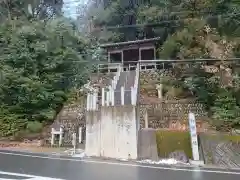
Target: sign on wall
[193, 133]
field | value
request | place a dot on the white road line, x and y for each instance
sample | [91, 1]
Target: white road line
[26, 176]
[125, 164]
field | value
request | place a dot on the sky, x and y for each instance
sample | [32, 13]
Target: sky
[70, 7]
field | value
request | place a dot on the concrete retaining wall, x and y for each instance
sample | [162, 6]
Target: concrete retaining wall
[147, 144]
[111, 132]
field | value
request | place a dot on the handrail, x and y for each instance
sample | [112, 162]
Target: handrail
[110, 67]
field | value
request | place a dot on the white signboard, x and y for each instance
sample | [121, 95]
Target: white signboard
[193, 133]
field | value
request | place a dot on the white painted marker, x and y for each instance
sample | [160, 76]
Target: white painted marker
[30, 177]
[209, 170]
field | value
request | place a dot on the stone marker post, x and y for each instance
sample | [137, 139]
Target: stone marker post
[52, 137]
[194, 140]
[80, 135]
[60, 136]
[74, 142]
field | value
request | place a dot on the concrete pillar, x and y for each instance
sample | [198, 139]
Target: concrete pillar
[113, 99]
[60, 136]
[118, 73]
[139, 54]
[94, 100]
[103, 96]
[110, 94]
[88, 101]
[133, 96]
[114, 82]
[109, 60]
[159, 89]
[146, 119]
[122, 95]
[107, 98]
[97, 100]
[136, 77]
[74, 142]
[53, 137]
[80, 135]
[122, 57]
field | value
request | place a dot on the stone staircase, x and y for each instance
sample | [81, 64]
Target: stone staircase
[71, 117]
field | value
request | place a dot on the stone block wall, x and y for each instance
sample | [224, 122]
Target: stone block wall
[72, 117]
[173, 114]
[221, 149]
[100, 79]
[148, 81]
[165, 112]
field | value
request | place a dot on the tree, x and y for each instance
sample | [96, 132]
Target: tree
[34, 8]
[188, 30]
[40, 62]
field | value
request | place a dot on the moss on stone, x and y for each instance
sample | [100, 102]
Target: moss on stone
[170, 141]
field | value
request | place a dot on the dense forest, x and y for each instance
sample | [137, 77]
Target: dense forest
[189, 29]
[46, 56]
[42, 60]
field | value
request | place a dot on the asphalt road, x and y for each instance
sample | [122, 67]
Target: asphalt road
[19, 165]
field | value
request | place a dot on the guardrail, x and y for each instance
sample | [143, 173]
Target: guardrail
[126, 66]
[158, 64]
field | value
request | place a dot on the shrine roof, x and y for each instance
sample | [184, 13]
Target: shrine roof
[127, 43]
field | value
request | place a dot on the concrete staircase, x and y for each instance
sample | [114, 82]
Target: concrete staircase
[126, 80]
[115, 120]
[73, 116]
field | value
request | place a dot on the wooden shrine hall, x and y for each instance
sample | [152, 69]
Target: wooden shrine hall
[127, 54]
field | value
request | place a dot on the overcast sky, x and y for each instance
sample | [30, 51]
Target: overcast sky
[70, 7]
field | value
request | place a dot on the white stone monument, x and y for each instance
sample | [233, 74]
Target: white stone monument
[194, 140]
[57, 132]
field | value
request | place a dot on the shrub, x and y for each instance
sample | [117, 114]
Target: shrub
[34, 126]
[170, 141]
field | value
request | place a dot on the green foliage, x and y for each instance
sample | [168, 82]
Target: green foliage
[197, 39]
[11, 123]
[34, 126]
[188, 30]
[226, 109]
[170, 141]
[40, 61]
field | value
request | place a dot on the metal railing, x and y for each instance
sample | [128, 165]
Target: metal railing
[126, 66]
[157, 64]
